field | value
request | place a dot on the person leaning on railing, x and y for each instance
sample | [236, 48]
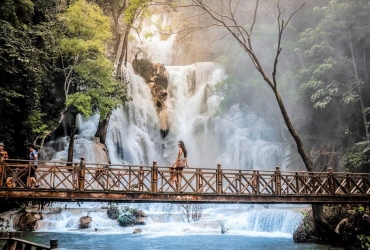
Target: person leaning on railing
[180, 163]
[31, 182]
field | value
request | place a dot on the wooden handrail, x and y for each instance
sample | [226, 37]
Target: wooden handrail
[123, 178]
[15, 243]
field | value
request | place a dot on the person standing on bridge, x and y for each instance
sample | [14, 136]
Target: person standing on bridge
[31, 182]
[180, 163]
[3, 153]
[4, 156]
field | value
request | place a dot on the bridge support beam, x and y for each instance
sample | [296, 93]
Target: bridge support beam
[154, 177]
[277, 181]
[53, 244]
[81, 175]
[219, 179]
[2, 172]
[199, 181]
[331, 181]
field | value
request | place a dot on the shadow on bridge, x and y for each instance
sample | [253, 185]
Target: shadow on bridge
[63, 181]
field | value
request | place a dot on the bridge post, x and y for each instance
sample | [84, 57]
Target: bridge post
[199, 180]
[154, 177]
[53, 244]
[11, 244]
[331, 181]
[2, 172]
[348, 180]
[81, 175]
[304, 180]
[219, 179]
[278, 181]
[296, 183]
[239, 183]
[364, 183]
[141, 179]
[255, 183]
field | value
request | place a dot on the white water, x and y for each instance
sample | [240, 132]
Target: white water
[170, 219]
[134, 137]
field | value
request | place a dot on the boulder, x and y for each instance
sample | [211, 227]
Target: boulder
[84, 222]
[26, 221]
[137, 231]
[113, 213]
[348, 226]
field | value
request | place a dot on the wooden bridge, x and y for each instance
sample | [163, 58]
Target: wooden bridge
[19, 244]
[61, 181]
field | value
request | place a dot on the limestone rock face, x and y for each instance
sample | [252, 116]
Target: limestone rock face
[84, 222]
[26, 221]
[100, 151]
[156, 76]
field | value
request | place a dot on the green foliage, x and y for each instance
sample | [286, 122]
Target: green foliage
[82, 102]
[364, 240]
[134, 6]
[87, 31]
[357, 158]
[127, 216]
[27, 69]
[35, 121]
[359, 210]
[16, 12]
[333, 52]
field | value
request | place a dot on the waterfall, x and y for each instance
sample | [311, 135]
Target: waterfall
[170, 219]
[134, 137]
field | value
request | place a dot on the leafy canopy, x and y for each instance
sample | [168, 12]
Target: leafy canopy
[87, 31]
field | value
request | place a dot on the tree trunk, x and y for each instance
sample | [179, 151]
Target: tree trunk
[101, 132]
[71, 141]
[123, 49]
[325, 232]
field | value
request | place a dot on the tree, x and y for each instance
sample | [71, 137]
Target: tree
[225, 14]
[27, 58]
[89, 85]
[192, 211]
[125, 13]
[228, 19]
[336, 64]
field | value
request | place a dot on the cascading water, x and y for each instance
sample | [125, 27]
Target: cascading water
[134, 137]
[133, 133]
[171, 219]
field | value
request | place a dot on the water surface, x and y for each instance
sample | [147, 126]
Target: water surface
[69, 241]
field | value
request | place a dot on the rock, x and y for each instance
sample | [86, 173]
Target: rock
[84, 222]
[137, 231]
[306, 230]
[130, 216]
[347, 225]
[113, 213]
[156, 76]
[350, 228]
[26, 221]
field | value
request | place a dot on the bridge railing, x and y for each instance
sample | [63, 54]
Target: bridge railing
[19, 244]
[92, 177]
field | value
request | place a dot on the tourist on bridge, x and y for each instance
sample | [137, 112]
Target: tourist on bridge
[4, 156]
[3, 153]
[31, 182]
[180, 163]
